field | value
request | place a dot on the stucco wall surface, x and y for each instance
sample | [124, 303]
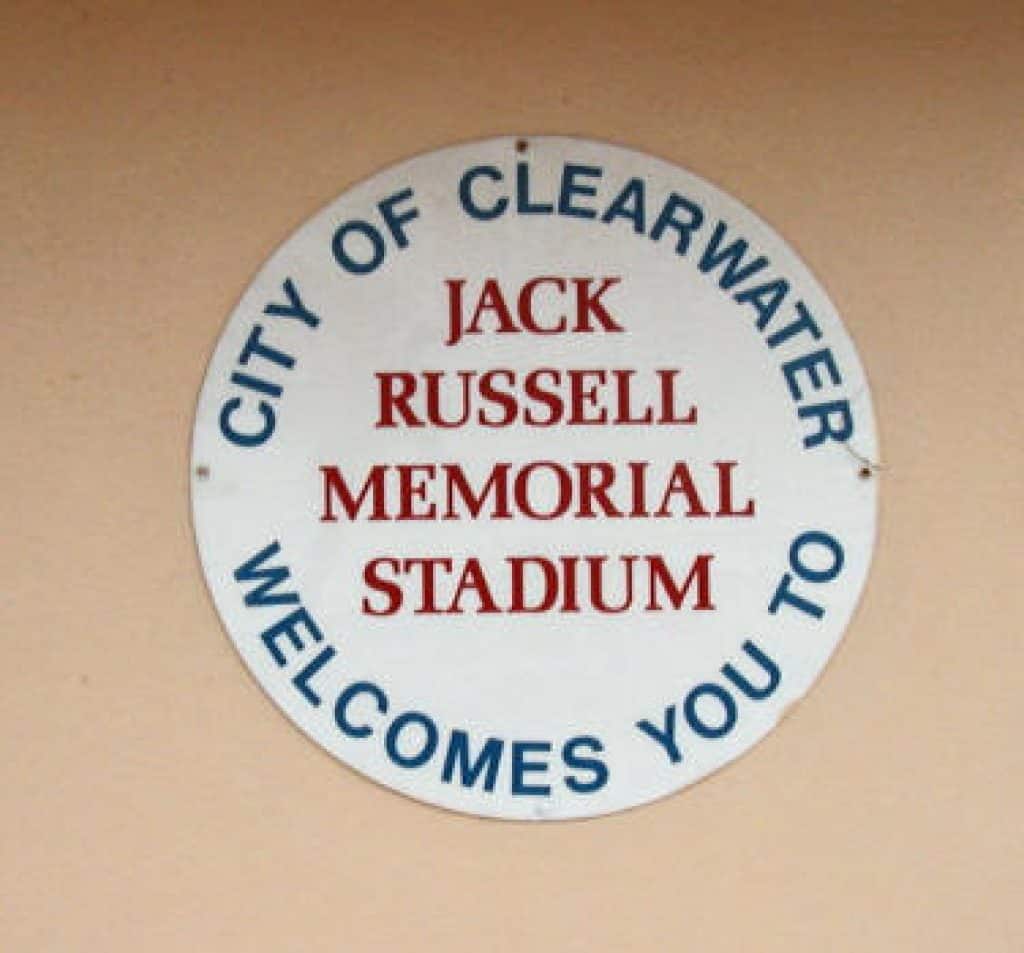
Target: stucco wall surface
[155, 154]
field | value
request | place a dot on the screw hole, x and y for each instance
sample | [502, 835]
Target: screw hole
[203, 471]
[522, 145]
[865, 473]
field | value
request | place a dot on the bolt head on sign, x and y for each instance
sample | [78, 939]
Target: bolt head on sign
[528, 478]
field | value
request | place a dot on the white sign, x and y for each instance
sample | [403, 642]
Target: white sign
[528, 478]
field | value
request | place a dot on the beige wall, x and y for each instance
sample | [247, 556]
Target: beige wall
[153, 799]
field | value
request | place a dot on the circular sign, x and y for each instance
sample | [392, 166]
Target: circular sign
[528, 478]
